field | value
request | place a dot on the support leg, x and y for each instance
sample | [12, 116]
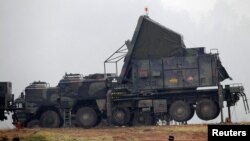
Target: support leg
[229, 113]
[222, 117]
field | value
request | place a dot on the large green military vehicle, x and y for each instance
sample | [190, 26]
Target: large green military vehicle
[75, 101]
[160, 79]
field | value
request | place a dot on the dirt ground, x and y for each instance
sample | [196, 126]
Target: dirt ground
[146, 133]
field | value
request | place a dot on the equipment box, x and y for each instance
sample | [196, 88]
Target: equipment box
[176, 72]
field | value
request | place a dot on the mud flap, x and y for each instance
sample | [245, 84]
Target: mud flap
[109, 107]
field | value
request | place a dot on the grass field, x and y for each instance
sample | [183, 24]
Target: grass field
[147, 133]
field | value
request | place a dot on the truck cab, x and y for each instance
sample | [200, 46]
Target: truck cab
[6, 98]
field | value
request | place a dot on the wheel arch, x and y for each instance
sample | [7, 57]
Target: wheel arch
[82, 103]
[46, 108]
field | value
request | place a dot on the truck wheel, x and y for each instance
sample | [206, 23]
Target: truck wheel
[33, 124]
[180, 111]
[50, 119]
[207, 109]
[86, 117]
[144, 118]
[120, 116]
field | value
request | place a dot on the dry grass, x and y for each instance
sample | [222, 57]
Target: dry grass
[147, 133]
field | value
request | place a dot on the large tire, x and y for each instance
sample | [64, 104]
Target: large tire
[120, 116]
[86, 117]
[207, 109]
[33, 124]
[144, 118]
[50, 119]
[180, 111]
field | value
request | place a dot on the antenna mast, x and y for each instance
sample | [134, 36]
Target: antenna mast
[146, 11]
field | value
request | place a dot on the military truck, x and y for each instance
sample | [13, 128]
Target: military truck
[76, 101]
[160, 79]
[6, 98]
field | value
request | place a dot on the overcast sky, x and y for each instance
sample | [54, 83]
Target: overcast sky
[43, 39]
